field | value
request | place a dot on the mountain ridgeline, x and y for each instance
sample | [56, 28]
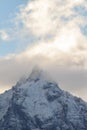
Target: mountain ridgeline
[37, 103]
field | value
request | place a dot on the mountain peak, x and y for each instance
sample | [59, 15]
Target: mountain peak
[36, 73]
[39, 104]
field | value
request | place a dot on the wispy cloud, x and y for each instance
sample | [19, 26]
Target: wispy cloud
[4, 35]
[45, 19]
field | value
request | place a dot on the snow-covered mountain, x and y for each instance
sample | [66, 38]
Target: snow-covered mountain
[37, 103]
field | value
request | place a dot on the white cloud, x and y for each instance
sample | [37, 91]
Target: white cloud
[44, 18]
[4, 35]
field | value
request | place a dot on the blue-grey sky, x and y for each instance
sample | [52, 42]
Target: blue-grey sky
[8, 10]
[48, 33]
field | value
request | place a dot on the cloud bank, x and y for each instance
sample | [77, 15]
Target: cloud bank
[69, 69]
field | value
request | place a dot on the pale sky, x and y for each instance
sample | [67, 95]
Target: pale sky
[49, 33]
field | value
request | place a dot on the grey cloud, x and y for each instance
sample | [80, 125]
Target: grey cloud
[68, 75]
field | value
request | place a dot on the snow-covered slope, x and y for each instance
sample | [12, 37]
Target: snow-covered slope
[37, 103]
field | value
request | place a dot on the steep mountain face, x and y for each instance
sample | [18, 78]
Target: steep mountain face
[37, 103]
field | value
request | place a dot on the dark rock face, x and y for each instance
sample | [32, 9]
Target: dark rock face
[41, 105]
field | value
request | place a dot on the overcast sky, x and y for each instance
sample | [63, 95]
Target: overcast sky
[49, 33]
